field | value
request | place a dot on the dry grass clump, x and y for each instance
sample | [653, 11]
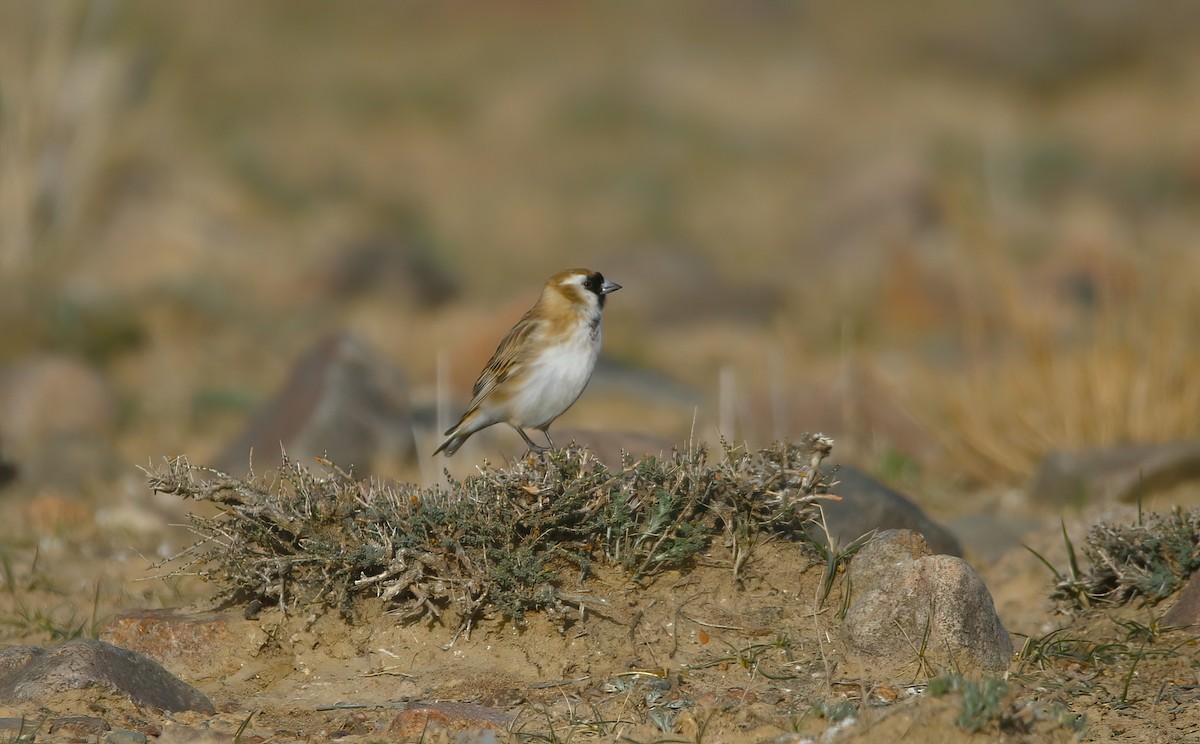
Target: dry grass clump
[1008, 412]
[1040, 374]
[504, 540]
[1150, 559]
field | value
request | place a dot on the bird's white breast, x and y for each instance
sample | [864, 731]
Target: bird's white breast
[557, 377]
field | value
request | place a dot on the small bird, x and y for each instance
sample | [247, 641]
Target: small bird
[542, 366]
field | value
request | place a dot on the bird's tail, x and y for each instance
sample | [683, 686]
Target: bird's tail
[466, 426]
[450, 446]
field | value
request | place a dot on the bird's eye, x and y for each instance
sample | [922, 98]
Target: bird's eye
[593, 282]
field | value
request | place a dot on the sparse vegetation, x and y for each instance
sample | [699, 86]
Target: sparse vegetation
[499, 540]
[981, 699]
[1114, 647]
[59, 624]
[1149, 559]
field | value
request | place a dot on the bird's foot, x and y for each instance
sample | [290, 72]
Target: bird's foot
[534, 447]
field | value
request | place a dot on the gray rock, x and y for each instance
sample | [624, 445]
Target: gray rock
[869, 505]
[30, 674]
[343, 401]
[905, 599]
[1112, 474]
[125, 736]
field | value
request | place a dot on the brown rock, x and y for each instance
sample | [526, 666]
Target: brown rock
[42, 397]
[419, 716]
[172, 638]
[906, 600]
[1186, 610]
[57, 418]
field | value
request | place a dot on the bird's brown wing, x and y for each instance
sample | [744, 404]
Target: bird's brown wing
[508, 358]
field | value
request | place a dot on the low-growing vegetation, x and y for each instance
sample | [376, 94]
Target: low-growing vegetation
[503, 540]
[1149, 559]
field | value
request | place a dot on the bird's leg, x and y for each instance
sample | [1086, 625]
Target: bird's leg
[532, 447]
[546, 431]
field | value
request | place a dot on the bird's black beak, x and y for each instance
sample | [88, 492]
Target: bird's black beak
[609, 287]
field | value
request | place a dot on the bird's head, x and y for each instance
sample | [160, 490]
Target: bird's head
[582, 287]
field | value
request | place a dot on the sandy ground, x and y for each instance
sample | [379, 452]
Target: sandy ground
[691, 656]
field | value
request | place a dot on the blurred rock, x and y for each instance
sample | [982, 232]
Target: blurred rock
[29, 674]
[1113, 474]
[869, 505]
[396, 266]
[58, 416]
[45, 396]
[905, 599]
[342, 400]
[1186, 610]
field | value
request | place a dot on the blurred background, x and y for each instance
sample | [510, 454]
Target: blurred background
[954, 236]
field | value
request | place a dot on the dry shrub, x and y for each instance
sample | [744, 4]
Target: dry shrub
[1150, 559]
[501, 540]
